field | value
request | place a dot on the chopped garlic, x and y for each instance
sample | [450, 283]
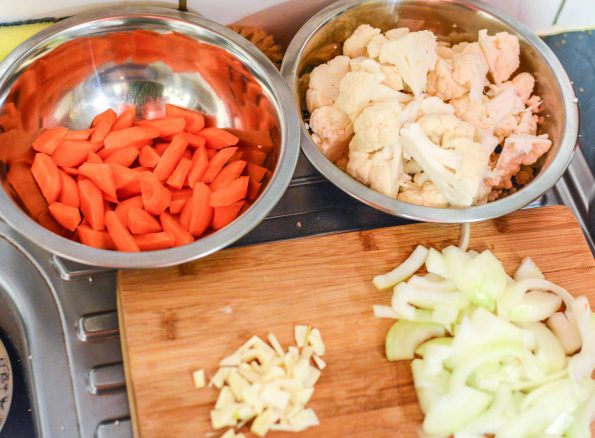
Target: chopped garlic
[199, 378]
[268, 386]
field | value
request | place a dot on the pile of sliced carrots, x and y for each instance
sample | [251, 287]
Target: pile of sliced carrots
[142, 185]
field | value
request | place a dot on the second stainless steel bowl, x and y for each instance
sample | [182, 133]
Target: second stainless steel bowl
[321, 38]
[145, 57]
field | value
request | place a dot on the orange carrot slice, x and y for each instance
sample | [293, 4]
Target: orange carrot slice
[212, 152]
[123, 176]
[103, 124]
[50, 139]
[229, 173]
[253, 189]
[130, 136]
[72, 153]
[218, 138]
[155, 241]
[156, 198]
[166, 126]
[170, 158]
[187, 154]
[223, 216]
[148, 157]
[46, 220]
[169, 223]
[67, 216]
[255, 156]
[178, 200]
[96, 239]
[178, 177]
[123, 207]
[124, 156]
[217, 162]
[101, 175]
[47, 175]
[125, 119]
[81, 134]
[234, 192]
[256, 173]
[237, 156]
[195, 121]
[193, 139]
[92, 204]
[200, 162]
[94, 158]
[141, 222]
[71, 170]
[201, 212]
[161, 147]
[69, 195]
[105, 153]
[186, 213]
[23, 183]
[122, 239]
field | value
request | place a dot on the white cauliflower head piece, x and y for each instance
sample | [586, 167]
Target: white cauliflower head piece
[380, 170]
[324, 82]
[502, 52]
[331, 131]
[377, 127]
[414, 55]
[356, 44]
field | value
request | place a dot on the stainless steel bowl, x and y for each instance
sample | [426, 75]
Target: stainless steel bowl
[321, 38]
[146, 57]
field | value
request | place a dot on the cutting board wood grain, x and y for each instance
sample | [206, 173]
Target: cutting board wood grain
[176, 320]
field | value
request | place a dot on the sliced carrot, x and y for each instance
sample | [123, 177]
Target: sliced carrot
[92, 204]
[148, 157]
[195, 121]
[96, 239]
[81, 134]
[103, 124]
[71, 170]
[72, 153]
[218, 138]
[123, 207]
[255, 156]
[200, 162]
[193, 139]
[253, 189]
[155, 241]
[50, 139]
[187, 154]
[212, 152]
[94, 158]
[235, 191]
[47, 175]
[123, 176]
[69, 195]
[202, 212]
[186, 213]
[217, 162]
[46, 220]
[229, 173]
[256, 173]
[161, 147]
[166, 126]
[124, 156]
[156, 198]
[237, 155]
[125, 119]
[141, 222]
[105, 153]
[26, 188]
[67, 216]
[223, 216]
[122, 239]
[170, 158]
[130, 136]
[101, 175]
[169, 223]
[178, 200]
[178, 177]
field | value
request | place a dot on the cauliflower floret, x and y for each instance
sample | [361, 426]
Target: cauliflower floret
[523, 85]
[527, 123]
[395, 34]
[355, 45]
[434, 105]
[324, 82]
[360, 89]
[426, 194]
[377, 127]
[391, 74]
[414, 55]
[534, 103]
[375, 45]
[392, 78]
[502, 52]
[380, 170]
[332, 131]
[444, 129]
[519, 149]
[461, 72]
[506, 127]
[457, 167]
[504, 103]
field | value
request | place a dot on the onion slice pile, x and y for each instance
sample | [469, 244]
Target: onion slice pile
[509, 357]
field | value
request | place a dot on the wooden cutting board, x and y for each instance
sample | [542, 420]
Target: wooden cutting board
[176, 320]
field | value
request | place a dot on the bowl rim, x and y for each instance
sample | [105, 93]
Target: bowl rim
[545, 180]
[286, 163]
